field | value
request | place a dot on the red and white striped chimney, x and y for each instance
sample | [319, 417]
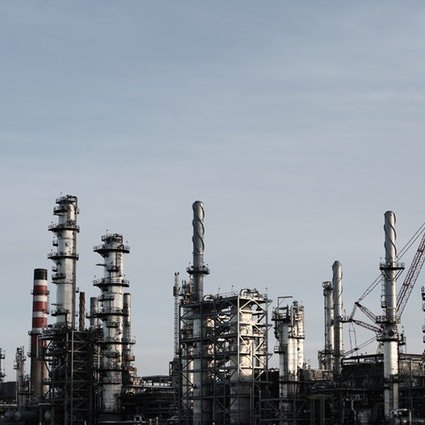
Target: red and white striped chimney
[39, 321]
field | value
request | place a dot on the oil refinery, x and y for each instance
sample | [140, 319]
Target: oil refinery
[82, 364]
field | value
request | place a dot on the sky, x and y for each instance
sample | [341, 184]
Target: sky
[298, 124]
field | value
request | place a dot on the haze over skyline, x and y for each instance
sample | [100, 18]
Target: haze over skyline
[297, 124]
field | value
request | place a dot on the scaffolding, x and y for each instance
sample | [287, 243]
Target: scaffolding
[234, 348]
[69, 357]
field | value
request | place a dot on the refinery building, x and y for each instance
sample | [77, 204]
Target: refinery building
[82, 364]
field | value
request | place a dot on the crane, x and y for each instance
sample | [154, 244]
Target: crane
[411, 277]
[405, 289]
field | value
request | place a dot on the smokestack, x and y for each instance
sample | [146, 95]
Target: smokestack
[390, 269]
[199, 269]
[338, 331]
[202, 403]
[39, 321]
[65, 258]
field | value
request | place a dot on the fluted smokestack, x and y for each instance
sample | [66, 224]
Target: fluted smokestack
[199, 269]
[202, 406]
[390, 269]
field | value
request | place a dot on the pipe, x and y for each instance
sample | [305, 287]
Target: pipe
[2, 357]
[390, 332]
[94, 320]
[38, 374]
[338, 330]
[128, 356]
[82, 312]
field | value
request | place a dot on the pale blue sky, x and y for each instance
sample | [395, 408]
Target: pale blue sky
[297, 123]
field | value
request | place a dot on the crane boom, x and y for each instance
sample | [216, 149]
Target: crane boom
[366, 311]
[411, 277]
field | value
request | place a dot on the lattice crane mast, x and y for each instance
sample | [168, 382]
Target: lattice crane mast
[411, 277]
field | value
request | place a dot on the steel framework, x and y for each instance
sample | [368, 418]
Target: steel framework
[234, 348]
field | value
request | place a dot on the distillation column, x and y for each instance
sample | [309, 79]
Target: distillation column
[65, 258]
[21, 385]
[289, 332]
[128, 342]
[338, 316]
[111, 313]
[390, 270]
[2, 357]
[327, 358]
[202, 405]
[39, 371]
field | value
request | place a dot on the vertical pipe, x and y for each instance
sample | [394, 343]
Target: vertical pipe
[38, 374]
[2, 357]
[128, 356]
[338, 331]
[390, 331]
[299, 333]
[82, 312]
[94, 320]
[329, 329]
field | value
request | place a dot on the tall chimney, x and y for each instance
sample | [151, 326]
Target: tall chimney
[39, 321]
[390, 269]
[202, 405]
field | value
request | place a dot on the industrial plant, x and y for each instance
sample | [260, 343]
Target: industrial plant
[82, 364]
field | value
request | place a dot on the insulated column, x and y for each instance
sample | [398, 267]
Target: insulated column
[337, 298]
[65, 258]
[111, 312]
[329, 328]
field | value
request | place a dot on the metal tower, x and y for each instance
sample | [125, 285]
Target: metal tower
[115, 323]
[390, 336]
[65, 257]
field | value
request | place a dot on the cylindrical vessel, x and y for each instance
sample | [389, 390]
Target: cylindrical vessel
[329, 328]
[94, 319]
[338, 329]
[111, 313]
[65, 257]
